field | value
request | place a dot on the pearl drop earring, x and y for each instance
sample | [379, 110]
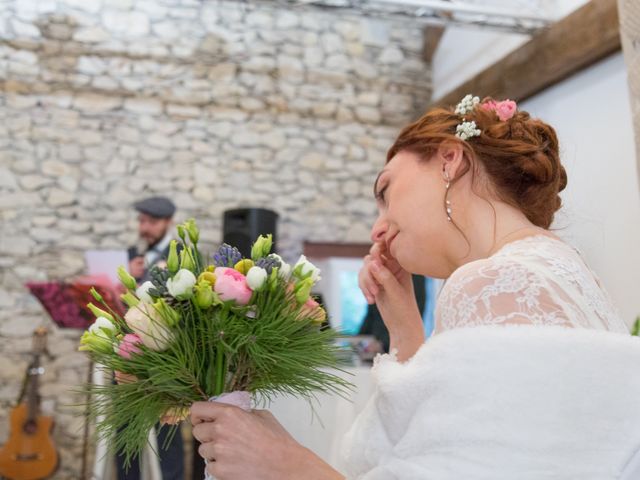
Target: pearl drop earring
[447, 203]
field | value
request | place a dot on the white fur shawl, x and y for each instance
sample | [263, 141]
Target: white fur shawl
[503, 403]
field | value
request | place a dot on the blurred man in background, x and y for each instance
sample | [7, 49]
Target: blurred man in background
[155, 219]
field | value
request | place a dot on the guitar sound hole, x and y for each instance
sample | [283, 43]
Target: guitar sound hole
[29, 427]
[27, 457]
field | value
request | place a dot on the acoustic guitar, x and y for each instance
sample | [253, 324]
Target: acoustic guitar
[30, 454]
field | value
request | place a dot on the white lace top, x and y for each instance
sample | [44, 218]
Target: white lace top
[536, 280]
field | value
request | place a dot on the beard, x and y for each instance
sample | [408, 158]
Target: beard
[152, 240]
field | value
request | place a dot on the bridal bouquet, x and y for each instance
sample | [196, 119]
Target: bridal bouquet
[201, 328]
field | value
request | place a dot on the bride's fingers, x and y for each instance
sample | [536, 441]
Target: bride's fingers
[380, 252]
[377, 251]
[385, 278]
[390, 262]
[368, 290]
[367, 283]
[368, 280]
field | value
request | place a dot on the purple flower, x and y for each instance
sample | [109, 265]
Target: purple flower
[268, 263]
[226, 256]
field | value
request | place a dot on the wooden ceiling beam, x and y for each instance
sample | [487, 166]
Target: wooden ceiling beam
[575, 42]
[431, 36]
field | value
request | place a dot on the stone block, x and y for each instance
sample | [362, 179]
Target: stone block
[55, 168]
[19, 326]
[391, 56]
[183, 111]
[91, 35]
[58, 197]
[92, 103]
[18, 200]
[129, 24]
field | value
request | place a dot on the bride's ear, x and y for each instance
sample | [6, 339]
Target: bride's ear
[450, 156]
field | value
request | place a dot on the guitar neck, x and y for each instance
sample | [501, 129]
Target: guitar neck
[33, 397]
[35, 370]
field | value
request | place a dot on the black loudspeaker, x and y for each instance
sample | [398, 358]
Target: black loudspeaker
[241, 227]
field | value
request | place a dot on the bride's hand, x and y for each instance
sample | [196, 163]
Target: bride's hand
[381, 256]
[242, 445]
[384, 282]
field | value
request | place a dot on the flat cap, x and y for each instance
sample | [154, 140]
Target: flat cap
[159, 207]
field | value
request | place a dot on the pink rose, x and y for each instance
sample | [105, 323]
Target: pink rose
[489, 106]
[506, 109]
[129, 345]
[232, 285]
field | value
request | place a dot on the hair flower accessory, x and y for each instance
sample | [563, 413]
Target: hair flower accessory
[505, 109]
[467, 104]
[466, 130]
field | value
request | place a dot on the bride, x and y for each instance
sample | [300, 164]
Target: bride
[530, 373]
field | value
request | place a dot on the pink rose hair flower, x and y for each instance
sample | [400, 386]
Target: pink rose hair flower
[505, 109]
[232, 285]
[489, 106]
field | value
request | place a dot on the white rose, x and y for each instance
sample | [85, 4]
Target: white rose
[256, 276]
[148, 324]
[182, 283]
[101, 324]
[304, 268]
[142, 292]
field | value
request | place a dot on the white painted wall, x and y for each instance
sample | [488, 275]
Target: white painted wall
[465, 51]
[601, 216]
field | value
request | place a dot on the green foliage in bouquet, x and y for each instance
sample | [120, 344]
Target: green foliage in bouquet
[199, 329]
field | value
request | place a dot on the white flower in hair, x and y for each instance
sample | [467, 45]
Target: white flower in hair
[466, 130]
[467, 104]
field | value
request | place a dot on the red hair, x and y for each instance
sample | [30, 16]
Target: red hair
[519, 156]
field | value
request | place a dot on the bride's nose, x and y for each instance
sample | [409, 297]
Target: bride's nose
[379, 230]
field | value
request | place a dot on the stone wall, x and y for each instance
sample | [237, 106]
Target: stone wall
[216, 104]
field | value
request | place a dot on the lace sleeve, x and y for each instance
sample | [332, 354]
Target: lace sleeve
[498, 291]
